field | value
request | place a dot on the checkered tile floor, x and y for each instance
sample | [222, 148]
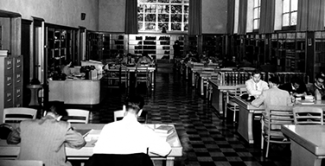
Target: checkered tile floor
[207, 139]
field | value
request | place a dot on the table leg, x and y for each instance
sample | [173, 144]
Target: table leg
[152, 80]
[170, 161]
[245, 124]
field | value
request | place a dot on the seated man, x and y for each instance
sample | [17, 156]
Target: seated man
[144, 59]
[128, 60]
[255, 85]
[317, 89]
[128, 136]
[273, 96]
[296, 87]
[45, 139]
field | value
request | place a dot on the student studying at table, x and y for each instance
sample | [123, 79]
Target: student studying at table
[318, 88]
[255, 86]
[128, 136]
[45, 139]
[296, 87]
[273, 96]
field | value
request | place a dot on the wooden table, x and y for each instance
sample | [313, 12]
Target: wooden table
[246, 117]
[217, 96]
[12, 151]
[307, 144]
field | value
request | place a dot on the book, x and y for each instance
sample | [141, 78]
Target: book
[164, 129]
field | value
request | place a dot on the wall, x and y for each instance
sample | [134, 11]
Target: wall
[214, 16]
[61, 12]
[112, 15]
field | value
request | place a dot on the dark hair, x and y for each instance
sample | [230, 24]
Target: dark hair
[134, 102]
[274, 80]
[296, 80]
[256, 72]
[57, 107]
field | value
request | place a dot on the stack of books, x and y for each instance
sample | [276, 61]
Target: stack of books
[4, 52]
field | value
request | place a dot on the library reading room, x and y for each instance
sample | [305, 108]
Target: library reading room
[162, 82]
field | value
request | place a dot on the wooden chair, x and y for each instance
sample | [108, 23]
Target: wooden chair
[21, 163]
[142, 74]
[308, 115]
[78, 116]
[230, 104]
[115, 77]
[271, 125]
[17, 114]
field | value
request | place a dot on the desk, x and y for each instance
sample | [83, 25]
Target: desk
[12, 151]
[216, 98]
[307, 144]
[246, 117]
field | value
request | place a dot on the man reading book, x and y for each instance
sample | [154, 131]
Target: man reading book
[128, 136]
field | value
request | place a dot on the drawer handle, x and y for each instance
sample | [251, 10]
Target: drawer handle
[8, 100]
[9, 68]
[18, 66]
[18, 96]
[18, 81]
[9, 84]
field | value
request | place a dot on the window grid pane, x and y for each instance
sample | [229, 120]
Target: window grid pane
[293, 18]
[153, 15]
[286, 6]
[294, 5]
[285, 19]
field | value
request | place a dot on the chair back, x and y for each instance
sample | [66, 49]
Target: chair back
[21, 163]
[17, 114]
[138, 159]
[78, 116]
[308, 115]
[278, 115]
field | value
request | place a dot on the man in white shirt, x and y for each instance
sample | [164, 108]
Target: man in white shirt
[128, 136]
[255, 85]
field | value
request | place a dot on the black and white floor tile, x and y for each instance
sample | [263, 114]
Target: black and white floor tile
[207, 138]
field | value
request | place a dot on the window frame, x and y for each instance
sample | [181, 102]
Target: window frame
[290, 12]
[183, 5]
[259, 15]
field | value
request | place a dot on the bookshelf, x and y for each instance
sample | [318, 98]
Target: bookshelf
[159, 46]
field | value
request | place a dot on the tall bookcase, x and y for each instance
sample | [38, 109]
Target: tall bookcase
[159, 46]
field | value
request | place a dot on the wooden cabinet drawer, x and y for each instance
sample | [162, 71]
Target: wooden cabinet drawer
[18, 79]
[8, 81]
[8, 66]
[8, 98]
[18, 64]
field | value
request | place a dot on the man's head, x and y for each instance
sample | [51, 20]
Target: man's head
[319, 80]
[296, 82]
[134, 104]
[57, 109]
[274, 82]
[256, 76]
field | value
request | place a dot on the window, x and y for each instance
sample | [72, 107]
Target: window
[156, 15]
[256, 13]
[289, 14]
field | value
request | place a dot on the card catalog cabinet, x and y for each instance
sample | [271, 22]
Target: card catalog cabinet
[11, 81]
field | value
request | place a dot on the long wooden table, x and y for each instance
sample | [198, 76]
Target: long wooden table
[246, 118]
[307, 144]
[12, 151]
